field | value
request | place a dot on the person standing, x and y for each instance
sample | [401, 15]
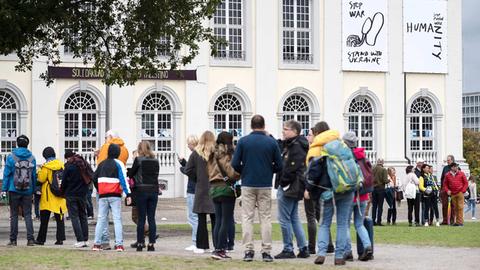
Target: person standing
[203, 205]
[455, 184]
[257, 158]
[290, 189]
[110, 181]
[443, 195]
[426, 186]
[76, 179]
[222, 180]
[391, 187]
[19, 179]
[192, 217]
[472, 190]
[380, 178]
[145, 171]
[49, 202]
[434, 206]
[112, 137]
[413, 203]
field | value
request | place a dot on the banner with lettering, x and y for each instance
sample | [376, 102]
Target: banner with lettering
[364, 35]
[425, 36]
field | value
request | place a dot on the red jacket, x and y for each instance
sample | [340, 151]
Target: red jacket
[455, 183]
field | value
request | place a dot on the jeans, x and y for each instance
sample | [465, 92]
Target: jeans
[89, 203]
[104, 204]
[414, 203]
[312, 211]
[192, 217]
[343, 205]
[16, 200]
[42, 231]
[202, 231]
[78, 215]
[105, 235]
[290, 222]
[471, 206]
[378, 196]
[146, 206]
[224, 215]
[392, 207]
[358, 216]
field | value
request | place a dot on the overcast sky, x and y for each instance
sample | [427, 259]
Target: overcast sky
[471, 46]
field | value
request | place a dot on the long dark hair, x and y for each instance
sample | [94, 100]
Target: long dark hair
[226, 138]
[422, 174]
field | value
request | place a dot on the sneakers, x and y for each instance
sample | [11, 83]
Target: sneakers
[348, 256]
[341, 261]
[220, 255]
[437, 224]
[319, 260]
[366, 255]
[248, 256]
[199, 250]
[38, 243]
[31, 243]
[266, 257]
[140, 246]
[97, 247]
[303, 253]
[119, 248]
[474, 218]
[150, 247]
[59, 243]
[80, 244]
[190, 248]
[134, 245]
[426, 224]
[285, 254]
[12, 244]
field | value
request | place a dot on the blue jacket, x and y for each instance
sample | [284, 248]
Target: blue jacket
[9, 170]
[256, 158]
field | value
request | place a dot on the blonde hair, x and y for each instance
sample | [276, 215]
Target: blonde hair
[193, 140]
[390, 170]
[206, 145]
[144, 149]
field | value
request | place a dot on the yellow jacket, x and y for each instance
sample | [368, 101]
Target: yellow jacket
[48, 201]
[103, 154]
[319, 141]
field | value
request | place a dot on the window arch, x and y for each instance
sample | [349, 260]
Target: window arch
[228, 115]
[81, 122]
[157, 124]
[8, 121]
[421, 125]
[361, 121]
[297, 108]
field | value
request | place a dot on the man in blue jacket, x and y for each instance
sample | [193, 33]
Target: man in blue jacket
[19, 179]
[257, 157]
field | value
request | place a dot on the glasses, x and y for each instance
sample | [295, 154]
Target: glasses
[286, 129]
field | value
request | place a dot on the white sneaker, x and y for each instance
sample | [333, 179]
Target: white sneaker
[426, 224]
[437, 224]
[199, 250]
[80, 244]
[474, 218]
[190, 248]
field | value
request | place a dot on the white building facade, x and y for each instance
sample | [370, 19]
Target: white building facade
[287, 59]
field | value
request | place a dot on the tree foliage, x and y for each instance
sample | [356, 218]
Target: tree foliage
[126, 38]
[471, 152]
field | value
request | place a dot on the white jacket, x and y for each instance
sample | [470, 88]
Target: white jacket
[411, 177]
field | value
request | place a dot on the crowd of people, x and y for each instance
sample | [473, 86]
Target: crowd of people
[215, 169]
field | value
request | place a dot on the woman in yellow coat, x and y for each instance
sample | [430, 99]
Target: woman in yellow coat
[48, 201]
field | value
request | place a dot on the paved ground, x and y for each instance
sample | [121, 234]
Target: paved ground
[173, 243]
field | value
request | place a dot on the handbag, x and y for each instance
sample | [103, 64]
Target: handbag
[399, 195]
[410, 191]
[236, 188]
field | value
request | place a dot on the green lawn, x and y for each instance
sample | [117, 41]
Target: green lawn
[447, 236]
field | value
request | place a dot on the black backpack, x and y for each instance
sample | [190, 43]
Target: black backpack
[22, 177]
[56, 185]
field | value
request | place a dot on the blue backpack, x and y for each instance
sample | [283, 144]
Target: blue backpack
[345, 174]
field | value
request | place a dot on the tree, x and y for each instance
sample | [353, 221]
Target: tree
[471, 152]
[125, 38]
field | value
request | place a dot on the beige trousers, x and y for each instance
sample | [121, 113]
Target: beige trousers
[261, 198]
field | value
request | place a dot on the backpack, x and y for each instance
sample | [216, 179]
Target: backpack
[342, 167]
[56, 185]
[366, 169]
[316, 177]
[22, 177]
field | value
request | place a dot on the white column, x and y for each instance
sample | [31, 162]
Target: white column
[394, 103]
[266, 66]
[333, 75]
[122, 119]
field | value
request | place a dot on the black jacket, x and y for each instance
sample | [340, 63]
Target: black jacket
[73, 184]
[145, 172]
[192, 181]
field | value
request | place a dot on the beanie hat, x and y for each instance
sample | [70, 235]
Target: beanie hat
[350, 139]
[48, 152]
[22, 141]
[113, 151]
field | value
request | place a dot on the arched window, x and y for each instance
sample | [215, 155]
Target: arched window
[296, 107]
[157, 122]
[228, 115]
[81, 122]
[421, 125]
[9, 122]
[360, 121]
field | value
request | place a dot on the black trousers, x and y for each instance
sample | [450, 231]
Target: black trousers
[392, 207]
[224, 207]
[202, 231]
[414, 204]
[42, 232]
[25, 201]
[78, 215]
[378, 196]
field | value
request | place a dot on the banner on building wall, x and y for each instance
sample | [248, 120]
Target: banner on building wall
[90, 73]
[425, 36]
[364, 35]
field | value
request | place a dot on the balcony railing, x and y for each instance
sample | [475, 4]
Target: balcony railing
[430, 156]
